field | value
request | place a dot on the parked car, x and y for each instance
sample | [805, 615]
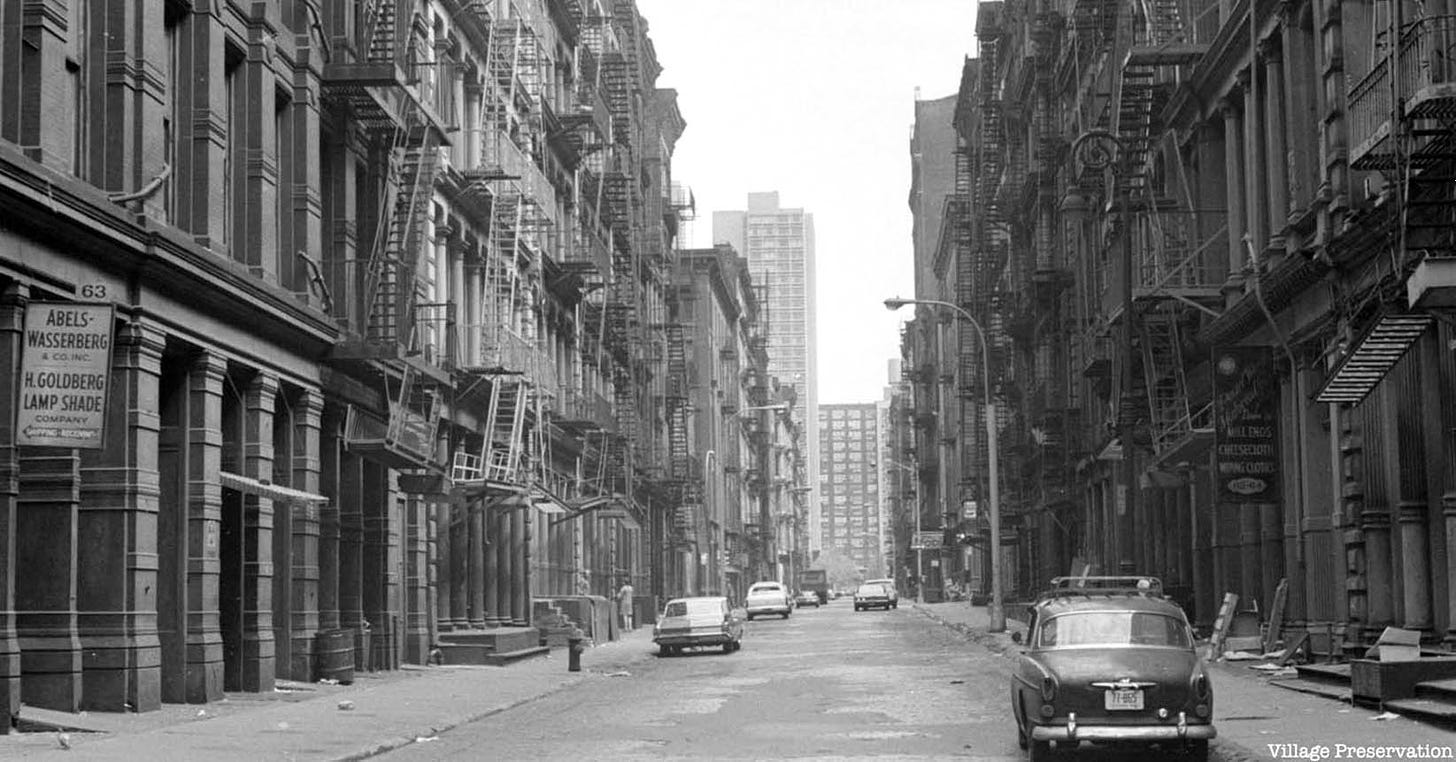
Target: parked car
[768, 598]
[806, 598]
[703, 622]
[889, 585]
[872, 596]
[1110, 661]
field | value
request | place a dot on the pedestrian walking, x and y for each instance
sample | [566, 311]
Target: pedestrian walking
[624, 605]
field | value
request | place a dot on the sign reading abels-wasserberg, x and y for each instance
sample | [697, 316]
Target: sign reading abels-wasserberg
[65, 364]
[1246, 424]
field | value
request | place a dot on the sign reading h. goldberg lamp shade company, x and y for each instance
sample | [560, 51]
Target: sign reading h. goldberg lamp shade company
[1246, 424]
[65, 367]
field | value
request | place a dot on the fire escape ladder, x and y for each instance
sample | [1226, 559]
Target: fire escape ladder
[414, 159]
[508, 418]
[379, 29]
[1164, 377]
[680, 458]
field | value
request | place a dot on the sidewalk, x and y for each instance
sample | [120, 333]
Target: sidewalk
[1249, 713]
[305, 721]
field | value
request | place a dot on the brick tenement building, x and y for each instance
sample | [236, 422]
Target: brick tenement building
[384, 282]
[1212, 245]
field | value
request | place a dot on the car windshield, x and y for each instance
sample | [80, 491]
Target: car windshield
[683, 608]
[1113, 628]
[762, 588]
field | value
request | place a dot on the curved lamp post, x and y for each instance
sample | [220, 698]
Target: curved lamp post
[1100, 150]
[998, 609]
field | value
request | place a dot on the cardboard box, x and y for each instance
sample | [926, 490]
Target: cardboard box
[1396, 644]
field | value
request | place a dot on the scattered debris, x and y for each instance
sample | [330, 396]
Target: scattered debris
[426, 739]
[1386, 716]
[346, 705]
[64, 740]
[622, 673]
[329, 681]
[958, 682]
[1266, 666]
[201, 712]
[1239, 656]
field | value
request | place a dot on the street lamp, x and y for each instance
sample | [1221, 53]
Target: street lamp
[998, 611]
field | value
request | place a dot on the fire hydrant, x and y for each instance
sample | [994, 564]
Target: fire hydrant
[573, 650]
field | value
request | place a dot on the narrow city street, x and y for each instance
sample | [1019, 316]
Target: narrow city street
[826, 682]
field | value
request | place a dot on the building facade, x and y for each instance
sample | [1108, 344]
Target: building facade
[1208, 241]
[779, 246]
[363, 310]
[849, 484]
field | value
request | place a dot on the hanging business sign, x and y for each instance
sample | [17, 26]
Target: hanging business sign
[65, 368]
[1246, 424]
[928, 540]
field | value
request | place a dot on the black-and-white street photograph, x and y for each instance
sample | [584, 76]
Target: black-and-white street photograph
[727, 380]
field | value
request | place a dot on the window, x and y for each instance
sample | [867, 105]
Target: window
[1113, 628]
[234, 146]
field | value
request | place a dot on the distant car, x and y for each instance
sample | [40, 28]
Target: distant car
[872, 596]
[806, 598]
[768, 598]
[889, 585]
[698, 623]
[1110, 661]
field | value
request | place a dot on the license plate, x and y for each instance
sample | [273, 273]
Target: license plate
[1127, 699]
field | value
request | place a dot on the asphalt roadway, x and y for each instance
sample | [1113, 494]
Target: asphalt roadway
[826, 684]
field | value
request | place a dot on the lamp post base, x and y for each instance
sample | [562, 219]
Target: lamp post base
[998, 617]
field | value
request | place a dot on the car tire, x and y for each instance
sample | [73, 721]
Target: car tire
[750, 617]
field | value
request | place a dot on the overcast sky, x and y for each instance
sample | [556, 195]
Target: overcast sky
[815, 99]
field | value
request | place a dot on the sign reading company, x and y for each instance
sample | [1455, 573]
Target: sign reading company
[65, 366]
[1246, 424]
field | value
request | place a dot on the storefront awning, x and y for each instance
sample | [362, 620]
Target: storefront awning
[250, 486]
[1373, 357]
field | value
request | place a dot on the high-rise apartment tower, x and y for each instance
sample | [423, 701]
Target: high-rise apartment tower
[779, 246]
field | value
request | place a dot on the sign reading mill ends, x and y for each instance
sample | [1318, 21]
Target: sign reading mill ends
[65, 366]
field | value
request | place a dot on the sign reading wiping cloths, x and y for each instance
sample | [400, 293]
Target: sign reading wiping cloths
[65, 368]
[1246, 424]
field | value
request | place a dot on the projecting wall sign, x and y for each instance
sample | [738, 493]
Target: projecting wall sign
[1246, 424]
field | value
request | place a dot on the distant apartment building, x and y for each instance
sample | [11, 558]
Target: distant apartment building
[849, 484]
[779, 246]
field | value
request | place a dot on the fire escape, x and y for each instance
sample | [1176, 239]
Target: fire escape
[986, 234]
[1401, 124]
[517, 370]
[1175, 246]
[1051, 406]
[684, 474]
[395, 92]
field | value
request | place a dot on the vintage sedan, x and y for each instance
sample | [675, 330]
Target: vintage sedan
[769, 598]
[706, 622]
[806, 598]
[1110, 662]
[872, 596]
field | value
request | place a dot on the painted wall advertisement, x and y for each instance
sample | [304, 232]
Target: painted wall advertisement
[1246, 424]
[65, 367]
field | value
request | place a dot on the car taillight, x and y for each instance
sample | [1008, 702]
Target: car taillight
[1048, 688]
[1201, 686]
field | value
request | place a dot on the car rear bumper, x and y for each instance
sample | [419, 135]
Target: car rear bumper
[715, 639]
[1135, 733]
[755, 610]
